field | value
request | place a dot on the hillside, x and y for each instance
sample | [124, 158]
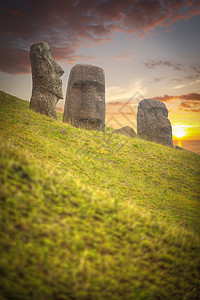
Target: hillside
[90, 215]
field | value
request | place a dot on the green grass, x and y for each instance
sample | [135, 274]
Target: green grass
[90, 215]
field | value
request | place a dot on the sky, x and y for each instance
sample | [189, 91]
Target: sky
[148, 49]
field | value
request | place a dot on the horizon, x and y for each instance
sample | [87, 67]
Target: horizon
[148, 49]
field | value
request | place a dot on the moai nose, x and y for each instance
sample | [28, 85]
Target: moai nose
[58, 70]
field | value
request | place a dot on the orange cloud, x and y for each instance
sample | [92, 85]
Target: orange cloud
[189, 102]
[190, 96]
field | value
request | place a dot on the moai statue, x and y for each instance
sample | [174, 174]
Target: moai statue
[47, 84]
[153, 122]
[85, 98]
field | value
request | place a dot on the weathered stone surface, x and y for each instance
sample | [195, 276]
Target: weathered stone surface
[47, 84]
[126, 130]
[153, 122]
[85, 98]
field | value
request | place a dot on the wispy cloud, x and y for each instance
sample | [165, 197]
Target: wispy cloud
[193, 106]
[117, 108]
[126, 92]
[66, 25]
[185, 85]
[196, 69]
[86, 58]
[193, 75]
[152, 64]
[156, 80]
[124, 55]
[176, 79]
[180, 86]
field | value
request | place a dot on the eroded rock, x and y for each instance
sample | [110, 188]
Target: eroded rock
[126, 130]
[178, 147]
[85, 98]
[46, 81]
[153, 122]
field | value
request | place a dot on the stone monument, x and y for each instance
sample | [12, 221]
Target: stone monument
[85, 98]
[126, 130]
[47, 84]
[153, 123]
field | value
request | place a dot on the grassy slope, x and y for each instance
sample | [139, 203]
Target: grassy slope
[66, 241]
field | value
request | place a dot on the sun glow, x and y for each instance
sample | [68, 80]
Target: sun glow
[179, 131]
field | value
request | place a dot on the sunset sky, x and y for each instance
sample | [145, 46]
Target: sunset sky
[148, 49]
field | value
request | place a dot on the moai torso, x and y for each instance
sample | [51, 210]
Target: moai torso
[47, 84]
[85, 98]
[153, 122]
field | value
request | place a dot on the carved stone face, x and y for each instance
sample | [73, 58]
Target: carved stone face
[153, 122]
[85, 98]
[46, 72]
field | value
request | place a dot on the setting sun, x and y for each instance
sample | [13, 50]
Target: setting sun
[179, 131]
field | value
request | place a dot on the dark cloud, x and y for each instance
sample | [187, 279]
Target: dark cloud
[194, 7]
[152, 64]
[66, 24]
[191, 96]
[193, 74]
[196, 69]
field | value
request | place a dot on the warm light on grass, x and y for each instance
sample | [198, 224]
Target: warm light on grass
[92, 215]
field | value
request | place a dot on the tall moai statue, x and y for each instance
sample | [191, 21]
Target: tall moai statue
[85, 98]
[46, 81]
[153, 123]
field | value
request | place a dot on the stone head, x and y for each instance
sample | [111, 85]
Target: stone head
[85, 97]
[153, 122]
[46, 72]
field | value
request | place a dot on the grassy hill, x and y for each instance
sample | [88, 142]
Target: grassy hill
[90, 215]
